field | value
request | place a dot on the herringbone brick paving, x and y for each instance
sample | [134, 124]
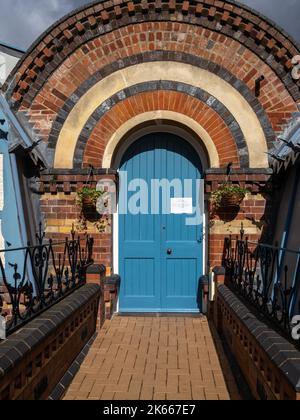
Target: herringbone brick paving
[155, 358]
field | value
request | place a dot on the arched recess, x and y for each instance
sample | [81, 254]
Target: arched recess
[161, 121]
[182, 73]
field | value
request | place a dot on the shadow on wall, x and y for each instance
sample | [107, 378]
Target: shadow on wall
[266, 223]
[270, 272]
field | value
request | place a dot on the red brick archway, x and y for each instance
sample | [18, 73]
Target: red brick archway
[89, 45]
[161, 100]
[65, 61]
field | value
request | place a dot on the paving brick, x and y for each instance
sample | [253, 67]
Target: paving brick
[184, 365]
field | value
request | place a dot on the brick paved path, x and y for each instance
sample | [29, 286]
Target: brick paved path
[160, 358]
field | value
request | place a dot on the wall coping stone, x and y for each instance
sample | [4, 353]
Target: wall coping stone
[219, 271]
[96, 269]
[114, 280]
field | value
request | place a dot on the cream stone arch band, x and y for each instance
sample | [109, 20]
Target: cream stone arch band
[178, 72]
[158, 117]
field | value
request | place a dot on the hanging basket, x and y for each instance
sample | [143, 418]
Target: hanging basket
[87, 199]
[228, 196]
[88, 204]
[232, 199]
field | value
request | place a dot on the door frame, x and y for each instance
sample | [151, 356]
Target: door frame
[196, 144]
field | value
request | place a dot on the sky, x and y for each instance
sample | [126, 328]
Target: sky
[22, 21]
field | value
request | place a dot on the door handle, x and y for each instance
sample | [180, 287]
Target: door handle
[169, 251]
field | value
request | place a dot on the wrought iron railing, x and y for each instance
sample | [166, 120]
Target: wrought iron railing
[48, 272]
[267, 277]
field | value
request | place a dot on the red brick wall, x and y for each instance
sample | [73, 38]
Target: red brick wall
[41, 85]
[61, 213]
[59, 221]
[255, 215]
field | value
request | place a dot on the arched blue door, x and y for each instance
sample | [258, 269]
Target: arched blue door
[161, 256]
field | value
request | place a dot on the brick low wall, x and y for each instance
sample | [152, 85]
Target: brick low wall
[270, 364]
[34, 359]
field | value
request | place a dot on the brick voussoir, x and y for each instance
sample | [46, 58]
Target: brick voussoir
[145, 91]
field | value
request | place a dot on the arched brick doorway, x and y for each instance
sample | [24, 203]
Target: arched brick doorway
[106, 68]
[157, 291]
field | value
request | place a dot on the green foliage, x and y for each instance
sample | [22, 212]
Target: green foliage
[228, 191]
[87, 197]
[90, 194]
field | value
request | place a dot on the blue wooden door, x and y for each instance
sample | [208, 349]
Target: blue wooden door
[160, 255]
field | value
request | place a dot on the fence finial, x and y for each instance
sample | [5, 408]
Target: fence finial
[242, 231]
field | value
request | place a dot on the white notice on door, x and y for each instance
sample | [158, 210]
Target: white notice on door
[182, 205]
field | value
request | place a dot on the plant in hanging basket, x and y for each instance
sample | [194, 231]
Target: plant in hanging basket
[87, 198]
[228, 196]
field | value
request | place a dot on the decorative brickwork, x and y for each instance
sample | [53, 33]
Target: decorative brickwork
[215, 119]
[270, 364]
[90, 84]
[233, 42]
[71, 97]
[34, 359]
[75, 30]
[70, 181]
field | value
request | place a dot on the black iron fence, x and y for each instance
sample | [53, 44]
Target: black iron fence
[43, 275]
[267, 277]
